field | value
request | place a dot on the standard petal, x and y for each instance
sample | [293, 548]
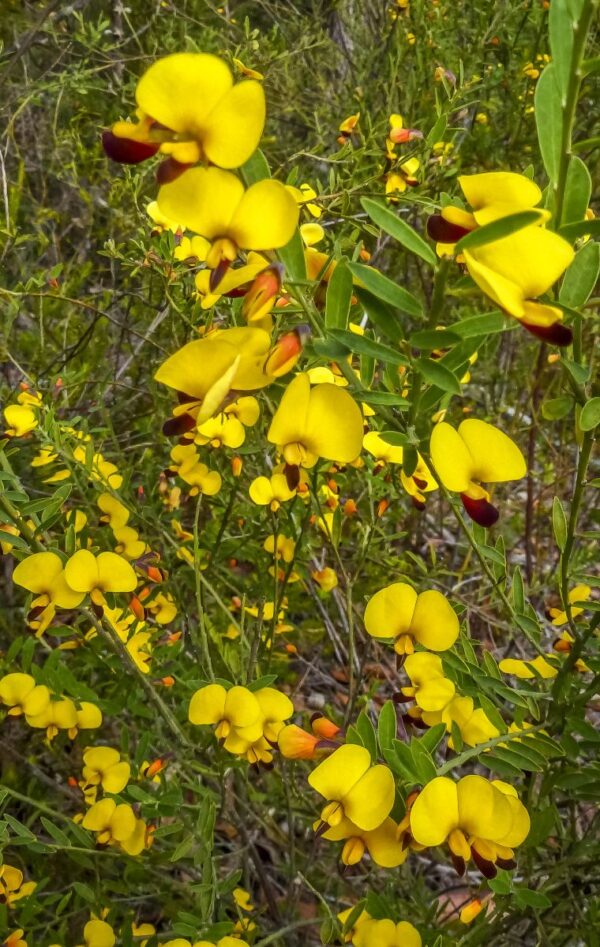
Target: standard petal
[241, 707]
[500, 187]
[265, 218]
[334, 424]
[81, 571]
[204, 200]
[99, 815]
[435, 623]
[289, 422]
[273, 704]
[180, 90]
[483, 811]
[384, 847]
[117, 778]
[123, 822]
[336, 775]
[115, 574]
[38, 572]
[435, 812]
[16, 688]
[389, 612]
[371, 799]
[451, 458]
[207, 705]
[232, 131]
[495, 457]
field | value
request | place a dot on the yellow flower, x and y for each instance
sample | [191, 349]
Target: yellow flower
[430, 689]
[96, 575]
[476, 453]
[97, 933]
[381, 450]
[474, 724]
[526, 670]
[354, 788]
[514, 271]
[309, 423]
[305, 196]
[421, 481]
[381, 843]
[22, 695]
[45, 455]
[129, 543]
[242, 899]
[43, 574]
[285, 547]
[12, 886]
[478, 819]
[221, 431]
[139, 648]
[111, 822]
[13, 531]
[326, 578]
[247, 71]
[102, 766]
[215, 204]
[162, 608]
[207, 369]
[271, 491]
[581, 593]
[113, 511]
[21, 420]
[227, 710]
[386, 933]
[190, 110]
[56, 715]
[470, 911]
[397, 612]
[15, 939]
[233, 282]
[343, 917]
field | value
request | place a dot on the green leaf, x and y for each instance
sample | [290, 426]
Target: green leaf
[395, 438]
[423, 760]
[488, 323]
[590, 415]
[363, 345]
[584, 228]
[548, 118]
[433, 737]
[527, 898]
[339, 296]
[387, 725]
[383, 398]
[292, 257]
[578, 190]
[437, 132]
[580, 373]
[54, 832]
[496, 230]
[381, 315]
[15, 541]
[518, 591]
[556, 408]
[559, 524]
[385, 289]
[397, 228]
[581, 277]
[560, 29]
[255, 169]
[84, 891]
[437, 374]
[367, 732]
[430, 339]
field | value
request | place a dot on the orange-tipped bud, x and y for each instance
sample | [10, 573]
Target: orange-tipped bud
[382, 506]
[286, 352]
[137, 608]
[471, 910]
[364, 255]
[296, 744]
[236, 465]
[72, 782]
[261, 296]
[155, 767]
[323, 728]
[167, 681]
[350, 508]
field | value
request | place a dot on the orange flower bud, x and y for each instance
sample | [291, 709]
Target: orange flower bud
[286, 352]
[259, 299]
[350, 508]
[236, 465]
[137, 608]
[324, 728]
[296, 744]
[382, 506]
[471, 910]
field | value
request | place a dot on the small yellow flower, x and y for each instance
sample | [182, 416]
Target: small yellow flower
[102, 766]
[354, 788]
[96, 575]
[22, 695]
[398, 613]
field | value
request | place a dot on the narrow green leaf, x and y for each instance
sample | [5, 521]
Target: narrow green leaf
[54, 832]
[590, 415]
[581, 277]
[430, 339]
[497, 230]
[437, 374]
[255, 169]
[548, 118]
[584, 228]
[383, 398]
[397, 228]
[367, 733]
[578, 190]
[560, 28]
[527, 898]
[487, 323]
[559, 524]
[432, 738]
[387, 725]
[363, 345]
[395, 438]
[556, 408]
[339, 295]
[292, 257]
[385, 289]
[381, 315]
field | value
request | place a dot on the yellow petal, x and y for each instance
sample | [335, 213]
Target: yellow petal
[180, 91]
[97, 933]
[500, 187]
[339, 772]
[207, 705]
[241, 707]
[482, 810]
[370, 800]
[390, 611]
[334, 424]
[384, 847]
[232, 131]
[123, 822]
[435, 623]
[435, 812]
[265, 218]
[204, 200]
[495, 457]
[115, 574]
[38, 572]
[81, 571]
[451, 458]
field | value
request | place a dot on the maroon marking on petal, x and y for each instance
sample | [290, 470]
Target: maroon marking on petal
[481, 511]
[400, 698]
[507, 863]
[421, 484]
[442, 231]
[487, 868]
[174, 427]
[418, 504]
[459, 864]
[218, 273]
[126, 150]
[34, 613]
[169, 170]
[292, 476]
[556, 334]
[98, 610]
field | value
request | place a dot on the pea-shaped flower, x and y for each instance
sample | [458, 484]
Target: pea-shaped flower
[309, 423]
[476, 453]
[96, 575]
[111, 822]
[354, 788]
[190, 110]
[381, 843]
[227, 710]
[398, 613]
[478, 819]
[98, 933]
[430, 689]
[386, 933]
[43, 574]
[22, 695]
[102, 766]
[214, 204]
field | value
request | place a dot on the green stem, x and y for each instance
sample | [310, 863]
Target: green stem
[208, 668]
